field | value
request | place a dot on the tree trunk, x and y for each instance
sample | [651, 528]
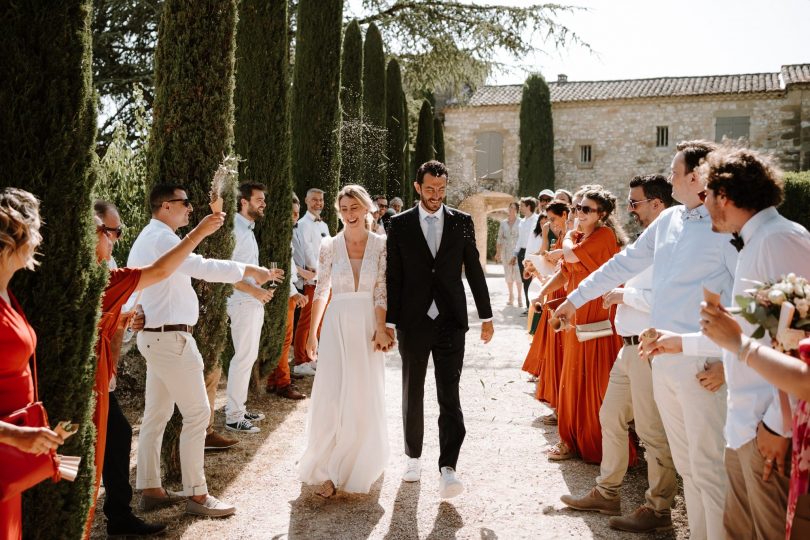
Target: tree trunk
[48, 126]
[192, 131]
[262, 140]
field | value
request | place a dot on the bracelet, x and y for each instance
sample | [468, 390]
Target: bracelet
[192, 239]
[747, 346]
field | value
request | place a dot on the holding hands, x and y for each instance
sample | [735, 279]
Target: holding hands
[383, 339]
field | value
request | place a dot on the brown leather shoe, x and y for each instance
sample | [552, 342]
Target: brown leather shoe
[290, 392]
[643, 520]
[593, 502]
[215, 441]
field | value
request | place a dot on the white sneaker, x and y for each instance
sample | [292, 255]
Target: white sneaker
[413, 470]
[304, 369]
[210, 507]
[449, 485]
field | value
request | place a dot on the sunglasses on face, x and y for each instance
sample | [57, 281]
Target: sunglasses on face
[633, 203]
[186, 202]
[586, 209]
[110, 232]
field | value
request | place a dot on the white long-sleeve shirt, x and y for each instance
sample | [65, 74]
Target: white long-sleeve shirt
[245, 250]
[685, 256]
[173, 300]
[311, 231]
[774, 247]
[525, 228]
[633, 315]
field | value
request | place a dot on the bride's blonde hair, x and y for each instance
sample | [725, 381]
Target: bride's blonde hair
[359, 194]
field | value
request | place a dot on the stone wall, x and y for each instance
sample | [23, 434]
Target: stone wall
[623, 136]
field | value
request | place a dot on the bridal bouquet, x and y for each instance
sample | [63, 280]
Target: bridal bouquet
[781, 308]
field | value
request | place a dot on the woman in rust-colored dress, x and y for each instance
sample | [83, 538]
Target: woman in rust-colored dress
[123, 282]
[586, 365]
[550, 348]
[19, 238]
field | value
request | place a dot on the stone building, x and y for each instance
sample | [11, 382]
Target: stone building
[608, 131]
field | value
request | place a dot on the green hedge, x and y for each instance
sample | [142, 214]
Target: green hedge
[493, 225]
[796, 206]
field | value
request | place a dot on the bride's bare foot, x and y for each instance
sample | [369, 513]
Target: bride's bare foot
[327, 489]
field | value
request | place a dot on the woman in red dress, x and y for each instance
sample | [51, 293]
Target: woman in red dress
[19, 238]
[586, 365]
[123, 282]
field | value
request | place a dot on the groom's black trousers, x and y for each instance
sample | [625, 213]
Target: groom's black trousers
[445, 340]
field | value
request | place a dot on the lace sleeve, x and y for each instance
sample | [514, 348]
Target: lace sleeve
[380, 290]
[325, 260]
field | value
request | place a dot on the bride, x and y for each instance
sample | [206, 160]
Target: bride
[347, 438]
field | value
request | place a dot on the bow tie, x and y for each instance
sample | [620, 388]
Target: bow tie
[737, 241]
[317, 219]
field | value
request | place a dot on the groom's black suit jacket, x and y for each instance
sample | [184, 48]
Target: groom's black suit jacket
[415, 278]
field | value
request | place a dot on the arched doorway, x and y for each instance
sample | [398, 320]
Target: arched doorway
[479, 206]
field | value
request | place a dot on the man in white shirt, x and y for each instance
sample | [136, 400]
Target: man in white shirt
[544, 198]
[743, 189]
[525, 228]
[686, 256]
[311, 231]
[246, 310]
[174, 366]
[629, 395]
[280, 381]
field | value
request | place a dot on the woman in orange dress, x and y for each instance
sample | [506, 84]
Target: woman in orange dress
[538, 244]
[19, 238]
[123, 282]
[551, 354]
[587, 364]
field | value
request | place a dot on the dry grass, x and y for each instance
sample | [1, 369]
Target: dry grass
[512, 490]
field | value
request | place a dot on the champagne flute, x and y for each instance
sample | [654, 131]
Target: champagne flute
[273, 267]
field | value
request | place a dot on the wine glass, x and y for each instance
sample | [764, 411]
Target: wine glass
[273, 267]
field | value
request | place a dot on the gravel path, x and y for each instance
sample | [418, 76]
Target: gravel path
[512, 491]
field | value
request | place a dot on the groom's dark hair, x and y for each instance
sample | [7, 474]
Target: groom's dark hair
[436, 168]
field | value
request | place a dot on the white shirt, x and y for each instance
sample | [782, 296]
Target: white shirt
[173, 300]
[439, 224]
[633, 315]
[534, 243]
[245, 250]
[685, 255]
[293, 273]
[774, 247]
[298, 255]
[525, 228]
[310, 235]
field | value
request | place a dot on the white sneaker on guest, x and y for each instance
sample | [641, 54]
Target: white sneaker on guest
[304, 369]
[413, 470]
[449, 485]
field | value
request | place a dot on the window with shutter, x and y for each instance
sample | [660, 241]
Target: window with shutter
[489, 156]
[731, 127]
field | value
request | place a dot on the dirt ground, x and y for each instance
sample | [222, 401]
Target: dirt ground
[512, 490]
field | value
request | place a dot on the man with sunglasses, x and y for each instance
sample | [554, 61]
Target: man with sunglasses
[174, 365]
[685, 256]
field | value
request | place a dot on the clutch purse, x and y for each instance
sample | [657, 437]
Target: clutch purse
[534, 320]
[23, 470]
[587, 332]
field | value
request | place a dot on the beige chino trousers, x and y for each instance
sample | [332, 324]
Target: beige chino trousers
[629, 396]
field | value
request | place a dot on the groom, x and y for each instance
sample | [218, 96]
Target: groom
[427, 248]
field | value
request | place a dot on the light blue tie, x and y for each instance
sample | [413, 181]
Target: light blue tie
[433, 312]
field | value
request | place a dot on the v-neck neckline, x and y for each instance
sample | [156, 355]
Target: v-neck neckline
[356, 280]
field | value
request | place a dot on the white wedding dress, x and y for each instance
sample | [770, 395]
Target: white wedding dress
[347, 437]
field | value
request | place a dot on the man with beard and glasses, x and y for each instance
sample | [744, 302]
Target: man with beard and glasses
[629, 395]
[246, 311]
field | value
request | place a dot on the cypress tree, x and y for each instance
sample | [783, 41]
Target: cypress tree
[192, 130]
[375, 140]
[262, 140]
[423, 150]
[48, 126]
[438, 139]
[395, 124]
[315, 117]
[351, 100]
[536, 161]
[408, 168]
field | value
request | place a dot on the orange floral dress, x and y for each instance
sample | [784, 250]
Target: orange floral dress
[586, 366]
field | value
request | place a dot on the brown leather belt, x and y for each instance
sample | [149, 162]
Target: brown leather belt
[171, 328]
[630, 340]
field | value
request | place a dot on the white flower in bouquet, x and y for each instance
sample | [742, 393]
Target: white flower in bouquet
[776, 296]
[803, 307]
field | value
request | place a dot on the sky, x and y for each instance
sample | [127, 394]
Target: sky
[635, 39]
